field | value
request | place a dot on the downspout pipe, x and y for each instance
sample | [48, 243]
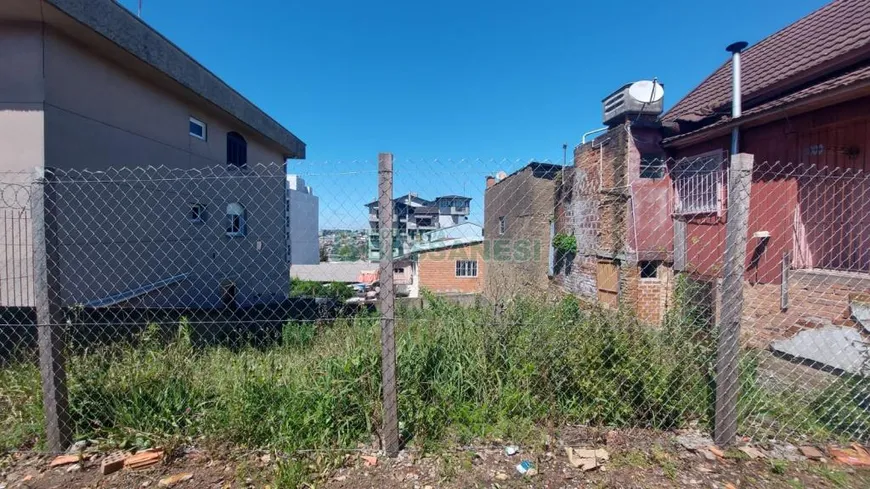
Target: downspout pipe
[736, 92]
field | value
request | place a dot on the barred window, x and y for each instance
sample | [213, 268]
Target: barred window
[699, 183]
[466, 268]
[652, 166]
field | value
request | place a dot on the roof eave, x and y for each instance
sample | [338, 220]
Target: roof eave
[831, 97]
[119, 26]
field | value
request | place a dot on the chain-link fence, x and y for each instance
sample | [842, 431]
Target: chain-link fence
[370, 304]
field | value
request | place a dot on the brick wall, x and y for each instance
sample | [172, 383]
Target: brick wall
[654, 295]
[518, 259]
[815, 299]
[594, 205]
[437, 269]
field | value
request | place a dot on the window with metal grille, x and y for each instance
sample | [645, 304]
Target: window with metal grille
[699, 183]
[466, 268]
[502, 225]
[652, 166]
[649, 270]
[237, 150]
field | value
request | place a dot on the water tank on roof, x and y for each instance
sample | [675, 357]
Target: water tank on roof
[644, 97]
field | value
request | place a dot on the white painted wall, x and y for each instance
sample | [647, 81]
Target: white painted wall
[446, 220]
[302, 224]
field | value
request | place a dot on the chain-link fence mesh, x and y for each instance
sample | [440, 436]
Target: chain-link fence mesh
[244, 305]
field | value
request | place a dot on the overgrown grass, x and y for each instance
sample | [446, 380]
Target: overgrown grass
[21, 421]
[464, 373]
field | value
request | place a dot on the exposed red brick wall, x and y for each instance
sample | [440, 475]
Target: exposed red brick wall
[437, 269]
[815, 300]
[654, 295]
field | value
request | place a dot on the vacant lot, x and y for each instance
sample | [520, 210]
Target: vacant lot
[465, 373]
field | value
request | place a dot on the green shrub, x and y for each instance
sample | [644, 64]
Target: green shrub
[844, 408]
[565, 243]
[309, 288]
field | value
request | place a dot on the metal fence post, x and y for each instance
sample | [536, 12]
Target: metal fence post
[387, 298]
[49, 320]
[727, 352]
[783, 286]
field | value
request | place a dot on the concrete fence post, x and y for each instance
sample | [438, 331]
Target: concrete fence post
[387, 299]
[49, 318]
[728, 348]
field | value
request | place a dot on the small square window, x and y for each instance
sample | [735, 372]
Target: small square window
[649, 270]
[236, 226]
[197, 128]
[466, 268]
[196, 213]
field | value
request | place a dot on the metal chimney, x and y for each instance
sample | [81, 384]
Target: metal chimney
[736, 94]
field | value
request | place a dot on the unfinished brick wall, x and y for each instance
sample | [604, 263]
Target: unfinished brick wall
[612, 194]
[816, 299]
[518, 258]
[654, 295]
[595, 204]
[576, 213]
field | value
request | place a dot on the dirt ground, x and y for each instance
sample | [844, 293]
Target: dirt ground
[637, 459]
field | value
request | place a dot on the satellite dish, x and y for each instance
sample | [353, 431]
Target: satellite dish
[646, 91]
[501, 175]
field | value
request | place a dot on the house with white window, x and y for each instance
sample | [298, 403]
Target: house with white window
[446, 261]
[164, 186]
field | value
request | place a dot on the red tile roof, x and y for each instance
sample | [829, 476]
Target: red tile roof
[828, 38]
[846, 79]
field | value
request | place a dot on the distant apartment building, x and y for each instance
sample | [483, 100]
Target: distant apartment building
[301, 223]
[413, 216]
[168, 186]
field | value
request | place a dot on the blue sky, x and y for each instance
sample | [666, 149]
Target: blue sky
[454, 89]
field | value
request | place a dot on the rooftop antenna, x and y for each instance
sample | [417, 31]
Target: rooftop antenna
[139, 12]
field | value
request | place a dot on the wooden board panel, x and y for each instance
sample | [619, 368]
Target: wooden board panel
[608, 283]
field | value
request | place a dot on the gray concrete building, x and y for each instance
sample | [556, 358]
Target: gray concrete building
[87, 87]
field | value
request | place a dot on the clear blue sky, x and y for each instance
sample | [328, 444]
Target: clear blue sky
[461, 88]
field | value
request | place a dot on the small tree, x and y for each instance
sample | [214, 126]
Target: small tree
[565, 248]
